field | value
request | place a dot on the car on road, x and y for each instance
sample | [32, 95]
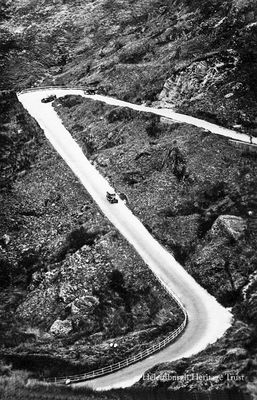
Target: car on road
[111, 197]
[90, 91]
[48, 99]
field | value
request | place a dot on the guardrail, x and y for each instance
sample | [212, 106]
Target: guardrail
[122, 364]
[141, 355]
[130, 360]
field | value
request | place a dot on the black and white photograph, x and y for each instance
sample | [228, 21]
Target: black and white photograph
[128, 199]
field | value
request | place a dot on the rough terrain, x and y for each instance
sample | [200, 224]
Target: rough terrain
[198, 58]
[195, 193]
[75, 296]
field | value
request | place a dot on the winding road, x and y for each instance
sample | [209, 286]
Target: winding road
[207, 319]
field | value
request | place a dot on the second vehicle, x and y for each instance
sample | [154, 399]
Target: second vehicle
[48, 99]
[111, 197]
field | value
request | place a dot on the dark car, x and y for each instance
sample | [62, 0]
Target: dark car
[90, 91]
[111, 197]
[48, 99]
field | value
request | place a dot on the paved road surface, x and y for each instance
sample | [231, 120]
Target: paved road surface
[208, 320]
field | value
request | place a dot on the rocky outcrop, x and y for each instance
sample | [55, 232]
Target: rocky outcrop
[190, 81]
[228, 225]
[62, 328]
[208, 79]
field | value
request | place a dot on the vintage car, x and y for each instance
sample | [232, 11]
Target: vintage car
[48, 99]
[91, 91]
[111, 197]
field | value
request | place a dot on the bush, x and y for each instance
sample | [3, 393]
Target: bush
[153, 127]
[79, 237]
[27, 265]
[210, 194]
[213, 192]
[73, 242]
[117, 281]
[120, 114]
[70, 100]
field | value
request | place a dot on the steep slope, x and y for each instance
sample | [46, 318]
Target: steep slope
[71, 287]
[198, 57]
[196, 194]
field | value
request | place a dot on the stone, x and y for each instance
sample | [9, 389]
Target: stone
[74, 309]
[227, 96]
[60, 327]
[91, 300]
[229, 225]
[5, 239]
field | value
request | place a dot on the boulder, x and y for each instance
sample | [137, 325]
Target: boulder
[5, 239]
[228, 225]
[60, 327]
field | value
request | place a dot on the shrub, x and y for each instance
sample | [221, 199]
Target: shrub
[117, 281]
[153, 127]
[79, 237]
[211, 193]
[70, 101]
[120, 114]
[73, 242]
